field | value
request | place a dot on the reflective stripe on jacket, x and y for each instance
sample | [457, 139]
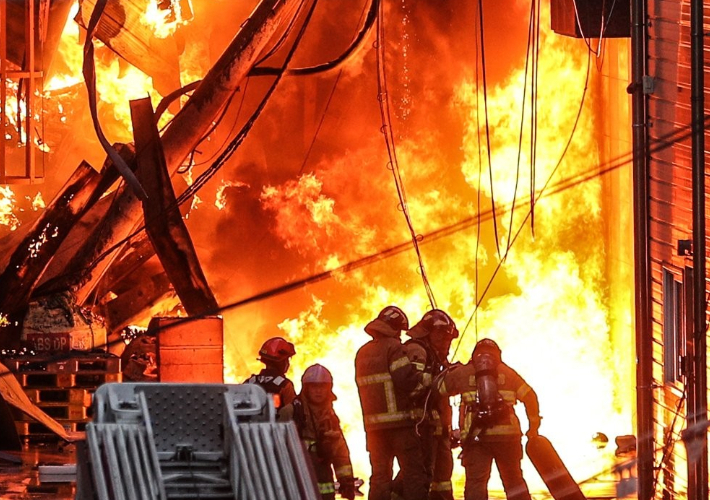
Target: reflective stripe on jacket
[512, 388]
[385, 379]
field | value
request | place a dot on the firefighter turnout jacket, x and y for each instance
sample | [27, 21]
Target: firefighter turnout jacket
[385, 380]
[511, 387]
[319, 429]
[276, 384]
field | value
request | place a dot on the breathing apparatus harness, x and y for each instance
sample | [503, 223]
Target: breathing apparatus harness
[490, 408]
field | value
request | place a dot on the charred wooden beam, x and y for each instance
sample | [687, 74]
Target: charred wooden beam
[75, 239]
[33, 254]
[182, 135]
[137, 304]
[163, 221]
[89, 263]
[134, 255]
[223, 79]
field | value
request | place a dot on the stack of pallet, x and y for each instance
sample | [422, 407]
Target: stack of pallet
[62, 387]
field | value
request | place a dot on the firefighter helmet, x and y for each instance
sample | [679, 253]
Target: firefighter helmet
[390, 322]
[487, 346]
[317, 374]
[276, 350]
[436, 322]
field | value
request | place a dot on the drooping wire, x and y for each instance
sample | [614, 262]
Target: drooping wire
[234, 144]
[542, 192]
[480, 174]
[488, 130]
[393, 165]
[334, 63]
[530, 75]
[234, 124]
[226, 154]
[533, 118]
[372, 13]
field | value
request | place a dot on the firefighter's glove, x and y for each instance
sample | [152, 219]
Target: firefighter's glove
[347, 487]
[534, 427]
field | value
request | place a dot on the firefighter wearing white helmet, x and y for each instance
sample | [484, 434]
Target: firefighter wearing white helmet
[490, 429]
[385, 380]
[319, 429]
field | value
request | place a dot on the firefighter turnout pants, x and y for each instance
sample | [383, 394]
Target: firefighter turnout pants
[402, 443]
[477, 459]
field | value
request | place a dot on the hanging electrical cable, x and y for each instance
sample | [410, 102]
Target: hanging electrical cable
[521, 132]
[533, 118]
[393, 165]
[234, 144]
[488, 130]
[343, 57]
[542, 192]
[227, 153]
[332, 91]
[480, 174]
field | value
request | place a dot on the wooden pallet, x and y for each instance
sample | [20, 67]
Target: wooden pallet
[60, 395]
[59, 412]
[31, 428]
[88, 380]
[44, 364]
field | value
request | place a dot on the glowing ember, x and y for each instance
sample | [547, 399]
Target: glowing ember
[38, 202]
[7, 205]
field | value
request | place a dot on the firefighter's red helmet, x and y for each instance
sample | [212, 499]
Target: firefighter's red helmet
[437, 322]
[390, 322]
[276, 350]
[317, 374]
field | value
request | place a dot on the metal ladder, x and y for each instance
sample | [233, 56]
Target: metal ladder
[160, 441]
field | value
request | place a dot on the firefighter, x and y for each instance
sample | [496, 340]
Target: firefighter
[428, 348]
[490, 430]
[276, 355]
[385, 380]
[319, 429]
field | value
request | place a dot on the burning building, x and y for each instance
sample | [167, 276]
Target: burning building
[368, 153]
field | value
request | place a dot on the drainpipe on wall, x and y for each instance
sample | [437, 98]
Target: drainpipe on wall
[644, 336]
[695, 434]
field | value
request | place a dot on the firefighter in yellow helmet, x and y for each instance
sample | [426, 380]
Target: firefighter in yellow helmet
[319, 429]
[276, 355]
[490, 430]
[385, 380]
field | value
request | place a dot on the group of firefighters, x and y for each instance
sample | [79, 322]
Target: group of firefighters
[404, 391]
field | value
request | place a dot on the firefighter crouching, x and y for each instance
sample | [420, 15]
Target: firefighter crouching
[276, 355]
[490, 430]
[428, 349]
[385, 379]
[319, 429]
